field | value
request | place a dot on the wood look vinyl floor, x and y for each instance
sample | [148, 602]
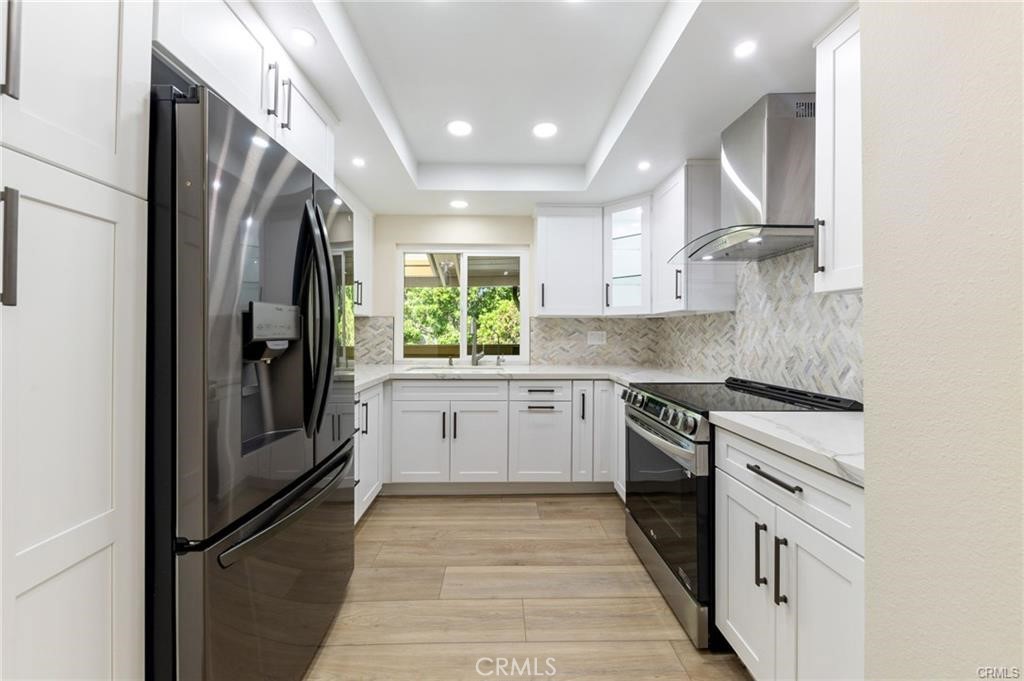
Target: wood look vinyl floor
[446, 588]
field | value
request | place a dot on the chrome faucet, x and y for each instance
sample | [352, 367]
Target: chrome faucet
[475, 356]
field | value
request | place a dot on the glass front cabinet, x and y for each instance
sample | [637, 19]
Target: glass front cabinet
[627, 257]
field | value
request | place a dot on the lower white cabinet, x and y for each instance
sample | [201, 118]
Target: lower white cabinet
[449, 441]
[71, 497]
[540, 441]
[369, 448]
[582, 431]
[606, 413]
[479, 443]
[620, 442]
[789, 599]
[419, 441]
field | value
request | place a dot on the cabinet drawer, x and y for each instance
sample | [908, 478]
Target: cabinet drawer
[541, 391]
[831, 505]
[447, 389]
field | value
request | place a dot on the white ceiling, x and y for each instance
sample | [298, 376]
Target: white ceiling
[503, 67]
[624, 82]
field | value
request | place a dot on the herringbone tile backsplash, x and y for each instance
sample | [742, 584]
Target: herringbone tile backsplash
[560, 340]
[375, 340]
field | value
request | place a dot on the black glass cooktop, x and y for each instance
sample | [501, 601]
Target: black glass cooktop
[742, 395]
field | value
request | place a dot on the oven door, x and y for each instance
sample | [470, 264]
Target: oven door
[668, 495]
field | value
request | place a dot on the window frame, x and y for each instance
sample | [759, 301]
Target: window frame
[464, 253]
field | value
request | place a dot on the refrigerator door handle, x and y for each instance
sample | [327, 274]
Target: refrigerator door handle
[237, 551]
[324, 331]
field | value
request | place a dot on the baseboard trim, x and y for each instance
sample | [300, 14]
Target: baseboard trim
[494, 488]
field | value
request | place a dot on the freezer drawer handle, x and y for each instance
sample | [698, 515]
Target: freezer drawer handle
[9, 294]
[793, 489]
[12, 79]
[237, 552]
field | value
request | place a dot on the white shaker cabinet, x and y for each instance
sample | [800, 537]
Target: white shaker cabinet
[838, 197]
[606, 415]
[620, 442]
[76, 93]
[419, 441]
[72, 536]
[302, 131]
[745, 613]
[569, 262]
[369, 448]
[790, 598]
[540, 441]
[684, 207]
[362, 230]
[627, 258]
[819, 632]
[582, 431]
[479, 441]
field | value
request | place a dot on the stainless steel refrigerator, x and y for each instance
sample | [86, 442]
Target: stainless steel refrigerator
[250, 432]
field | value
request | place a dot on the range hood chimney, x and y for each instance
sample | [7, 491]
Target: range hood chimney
[767, 184]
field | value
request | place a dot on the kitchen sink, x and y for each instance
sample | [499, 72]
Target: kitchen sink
[491, 368]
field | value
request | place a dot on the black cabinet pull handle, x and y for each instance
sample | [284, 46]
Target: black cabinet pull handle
[535, 407]
[540, 390]
[12, 78]
[818, 224]
[366, 418]
[583, 406]
[287, 125]
[779, 598]
[542, 294]
[455, 425]
[9, 293]
[276, 68]
[758, 528]
[679, 295]
[443, 422]
[607, 295]
[794, 489]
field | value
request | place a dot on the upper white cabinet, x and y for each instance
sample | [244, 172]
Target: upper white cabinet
[838, 197]
[229, 47]
[76, 87]
[72, 538]
[362, 230]
[569, 262]
[684, 207]
[627, 258]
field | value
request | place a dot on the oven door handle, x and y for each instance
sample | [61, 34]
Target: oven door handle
[684, 457]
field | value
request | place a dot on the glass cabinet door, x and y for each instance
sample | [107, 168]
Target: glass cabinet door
[627, 258]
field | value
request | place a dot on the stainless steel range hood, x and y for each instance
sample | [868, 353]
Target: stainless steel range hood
[767, 184]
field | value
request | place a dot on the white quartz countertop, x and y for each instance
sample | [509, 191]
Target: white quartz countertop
[830, 441]
[370, 375]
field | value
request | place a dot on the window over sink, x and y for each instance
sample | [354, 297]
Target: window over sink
[445, 294]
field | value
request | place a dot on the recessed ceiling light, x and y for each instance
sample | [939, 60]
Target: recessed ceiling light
[754, 240]
[358, 161]
[545, 130]
[337, 201]
[303, 38]
[643, 165]
[459, 128]
[261, 142]
[708, 257]
[459, 203]
[744, 49]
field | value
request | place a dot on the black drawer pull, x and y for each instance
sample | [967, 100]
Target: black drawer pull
[540, 390]
[795, 489]
[533, 407]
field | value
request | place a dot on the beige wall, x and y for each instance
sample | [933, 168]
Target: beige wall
[942, 336]
[456, 230]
